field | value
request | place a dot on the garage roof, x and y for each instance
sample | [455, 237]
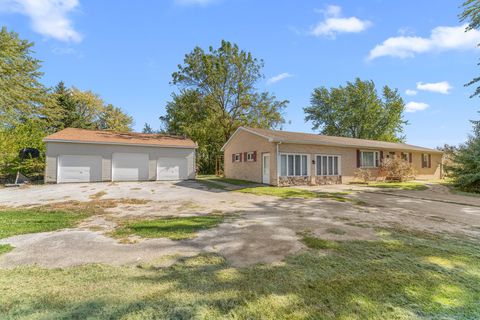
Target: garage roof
[75, 135]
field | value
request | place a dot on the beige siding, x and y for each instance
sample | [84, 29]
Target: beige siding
[249, 170]
[252, 171]
[349, 159]
[54, 149]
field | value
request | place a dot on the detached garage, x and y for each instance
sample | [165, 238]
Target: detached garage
[78, 155]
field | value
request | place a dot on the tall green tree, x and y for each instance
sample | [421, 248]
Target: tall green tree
[357, 111]
[86, 110]
[113, 118]
[219, 87]
[464, 166]
[187, 114]
[471, 15]
[22, 96]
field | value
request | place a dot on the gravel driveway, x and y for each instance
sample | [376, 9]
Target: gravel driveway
[261, 230]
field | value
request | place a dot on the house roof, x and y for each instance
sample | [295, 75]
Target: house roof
[75, 135]
[310, 138]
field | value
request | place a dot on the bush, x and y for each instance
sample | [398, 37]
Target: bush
[364, 175]
[396, 170]
[464, 169]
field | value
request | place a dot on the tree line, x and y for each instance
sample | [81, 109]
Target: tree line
[29, 111]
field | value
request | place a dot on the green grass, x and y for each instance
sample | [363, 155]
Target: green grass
[20, 221]
[235, 182]
[400, 276]
[211, 184]
[455, 190]
[175, 228]
[214, 182]
[317, 243]
[287, 193]
[411, 185]
[4, 248]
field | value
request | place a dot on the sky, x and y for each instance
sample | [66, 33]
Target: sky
[126, 51]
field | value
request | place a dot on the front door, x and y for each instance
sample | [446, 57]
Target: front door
[266, 168]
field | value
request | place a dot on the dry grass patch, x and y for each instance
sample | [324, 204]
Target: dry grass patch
[97, 195]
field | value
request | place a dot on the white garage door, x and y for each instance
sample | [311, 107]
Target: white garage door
[172, 168]
[79, 168]
[129, 166]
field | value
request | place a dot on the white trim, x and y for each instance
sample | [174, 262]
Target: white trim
[119, 143]
[266, 154]
[247, 130]
[250, 153]
[235, 157]
[329, 155]
[301, 166]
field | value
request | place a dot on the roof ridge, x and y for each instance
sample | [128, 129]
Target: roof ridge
[280, 134]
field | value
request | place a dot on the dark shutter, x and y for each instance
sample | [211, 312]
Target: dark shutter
[358, 159]
[421, 159]
[240, 154]
[429, 160]
[410, 157]
[381, 156]
[245, 156]
[233, 157]
[254, 155]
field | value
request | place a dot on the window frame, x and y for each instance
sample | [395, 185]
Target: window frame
[237, 157]
[327, 156]
[376, 159]
[250, 156]
[288, 156]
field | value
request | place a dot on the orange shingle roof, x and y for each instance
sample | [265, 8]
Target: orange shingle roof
[112, 137]
[310, 138]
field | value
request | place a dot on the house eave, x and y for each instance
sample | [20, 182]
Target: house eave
[119, 143]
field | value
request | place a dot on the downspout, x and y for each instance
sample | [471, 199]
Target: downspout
[278, 164]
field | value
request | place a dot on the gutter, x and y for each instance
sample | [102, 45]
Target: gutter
[121, 143]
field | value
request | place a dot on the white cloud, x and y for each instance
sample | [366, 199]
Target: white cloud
[193, 2]
[279, 77]
[442, 87]
[48, 17]
[415, 106]
[334, 23]
[410, 92]
[441, 39]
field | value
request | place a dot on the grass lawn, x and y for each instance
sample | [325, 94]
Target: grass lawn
[175, 228]
[455, 190]
[21, 221]
[410, 185]
[212, 181]
[286, 193]
[400, 276]
[4, 248]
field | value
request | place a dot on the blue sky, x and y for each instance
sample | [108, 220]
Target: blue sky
[126, 51]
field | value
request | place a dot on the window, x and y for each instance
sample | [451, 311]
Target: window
[426, 160]
[250, 156]
[237, 157]
[369, 159]
[328, 165]
[293, 165]
[283, 165]
[405, 156]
